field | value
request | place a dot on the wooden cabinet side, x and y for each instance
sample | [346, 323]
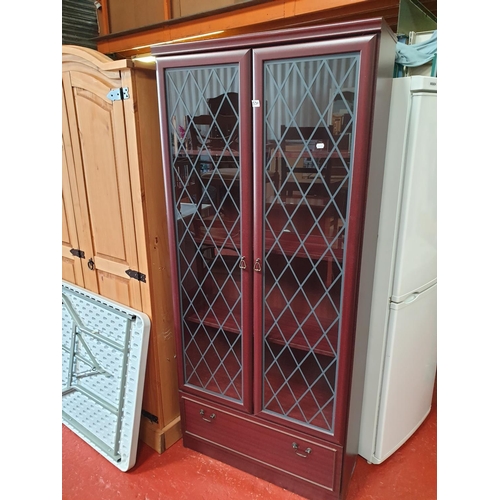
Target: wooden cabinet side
[146, 173]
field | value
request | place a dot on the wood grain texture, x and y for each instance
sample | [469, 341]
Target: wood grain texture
[128, 14]
[142, 120]
[247, 19]
[75, 174]
[71, 265]
[115, 184]
[102, 146]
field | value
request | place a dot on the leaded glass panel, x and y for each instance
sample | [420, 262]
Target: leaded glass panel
[203, 119]
[309, 122]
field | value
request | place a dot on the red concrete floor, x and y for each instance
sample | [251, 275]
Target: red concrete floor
[182, 474]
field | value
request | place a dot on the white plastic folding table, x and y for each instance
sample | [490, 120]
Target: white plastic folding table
[104, 349]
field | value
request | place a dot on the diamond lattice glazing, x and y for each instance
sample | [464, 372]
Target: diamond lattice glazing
[202, 109]
[307, 180]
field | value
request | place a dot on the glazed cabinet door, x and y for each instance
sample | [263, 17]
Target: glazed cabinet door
[205, 104]
[310, 127]
[101, 176]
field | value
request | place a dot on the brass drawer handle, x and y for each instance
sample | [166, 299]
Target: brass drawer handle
[295, 446]
[243, 264]
[257, 267]
[209, 420]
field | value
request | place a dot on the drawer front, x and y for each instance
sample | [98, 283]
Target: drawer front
[278, 449]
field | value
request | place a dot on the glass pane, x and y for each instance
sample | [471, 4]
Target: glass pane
[202, 111]
[309, 125]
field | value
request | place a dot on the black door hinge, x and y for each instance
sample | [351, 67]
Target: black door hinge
[77, 253]
[149, 416]
[136, 275]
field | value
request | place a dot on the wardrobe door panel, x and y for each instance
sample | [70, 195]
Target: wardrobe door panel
[71, 262]
[104, 184]
[73, 248]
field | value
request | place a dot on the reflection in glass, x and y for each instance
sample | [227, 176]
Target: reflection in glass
[309, 124]
[202, 111]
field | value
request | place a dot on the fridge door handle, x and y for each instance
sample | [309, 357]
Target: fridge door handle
[412, 298]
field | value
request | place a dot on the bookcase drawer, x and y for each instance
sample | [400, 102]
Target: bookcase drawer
[294, 454]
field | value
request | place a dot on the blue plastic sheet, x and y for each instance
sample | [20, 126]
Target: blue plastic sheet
[418, 54]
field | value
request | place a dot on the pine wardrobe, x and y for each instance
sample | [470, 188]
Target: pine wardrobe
[114, 231]
[269, 140]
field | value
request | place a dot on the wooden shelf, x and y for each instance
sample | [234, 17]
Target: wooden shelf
[217, 316]
[211, 376]
[306, 385]
[218, 234]
[300, 151]
[311, 328]
[289, 243]
[293, 209]
[211, 373]
[314, 202]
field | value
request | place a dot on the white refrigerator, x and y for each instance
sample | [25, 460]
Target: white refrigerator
[401, 351]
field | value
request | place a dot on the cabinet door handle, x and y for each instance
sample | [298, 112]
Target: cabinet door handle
[209, 420]
[257, 267]
[91, 264]
[295, 446]
[243, 264]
